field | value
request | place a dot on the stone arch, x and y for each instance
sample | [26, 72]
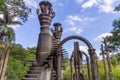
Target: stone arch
[78, 38]
[91, 53]
[88, 65]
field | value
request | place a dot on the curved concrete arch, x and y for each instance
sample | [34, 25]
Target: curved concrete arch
[91, 53]
[78, 38]
[88, 65]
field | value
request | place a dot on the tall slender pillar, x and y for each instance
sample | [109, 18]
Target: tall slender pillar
[94, 66]
[45, 15]
[78, 62]
[104, 62]
[108, 60]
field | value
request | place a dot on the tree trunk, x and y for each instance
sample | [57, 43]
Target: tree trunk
[109, 66]
[104, 63]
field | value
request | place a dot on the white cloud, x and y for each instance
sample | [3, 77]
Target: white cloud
[107, 6]
[100, 37]
[103, 5]
[106, 9]
[89, 3]
[14, 26]
[75, 22]
[75, 29]
[73, 19]
[1, 16]
[84, 49]
[53, 1]
[15, 19]
[98, 51]
[31, 3]
[79, 1]
[33, 45]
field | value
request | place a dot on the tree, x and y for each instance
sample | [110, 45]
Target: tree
[14, 8]
[117, 8]
[115, 59]
[7, 35]
[16, 64]
[14, 12]
[15, 69]
[114, 40]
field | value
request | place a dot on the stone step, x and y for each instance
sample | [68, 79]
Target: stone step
[29, 79]
[35, 64]
[46, 61]
[54, 71]
[31, 75]
[30, 62]
[35, 68]
[54, 78]
[54, 75]
[51, 57]
[34, 71]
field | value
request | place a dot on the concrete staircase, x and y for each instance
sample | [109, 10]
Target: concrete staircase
[34, 72]
[54, 76]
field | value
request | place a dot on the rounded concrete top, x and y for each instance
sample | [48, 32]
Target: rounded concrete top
[47, 3]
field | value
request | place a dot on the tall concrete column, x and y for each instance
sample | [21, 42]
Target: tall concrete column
[45, 15]
[57, 32]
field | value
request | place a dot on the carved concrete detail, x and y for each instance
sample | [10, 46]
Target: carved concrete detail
[45, 16]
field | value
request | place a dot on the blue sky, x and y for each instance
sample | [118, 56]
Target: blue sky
[91, 19]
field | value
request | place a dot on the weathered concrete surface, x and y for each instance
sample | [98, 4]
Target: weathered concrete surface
[44, 41]
[45, 75]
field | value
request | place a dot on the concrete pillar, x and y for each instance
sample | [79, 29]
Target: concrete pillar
[45, 75]
[45, 15]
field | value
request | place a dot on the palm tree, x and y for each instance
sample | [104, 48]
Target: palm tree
[7, 34]
[11, 9]
[108, 59]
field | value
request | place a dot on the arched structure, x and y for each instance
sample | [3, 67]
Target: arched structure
[91, 51]
[88, 65]
[78, 38]
[48, 53]
[79, 55]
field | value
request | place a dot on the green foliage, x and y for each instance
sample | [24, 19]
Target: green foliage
[101, 70]
[67, 74]
[14, 12]
[115, 69]
[16, 68]
[115, 59]
[18, 56]
[114, 40]
[14, 8]
[117, 8]
[7, 35]
[116, 72]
